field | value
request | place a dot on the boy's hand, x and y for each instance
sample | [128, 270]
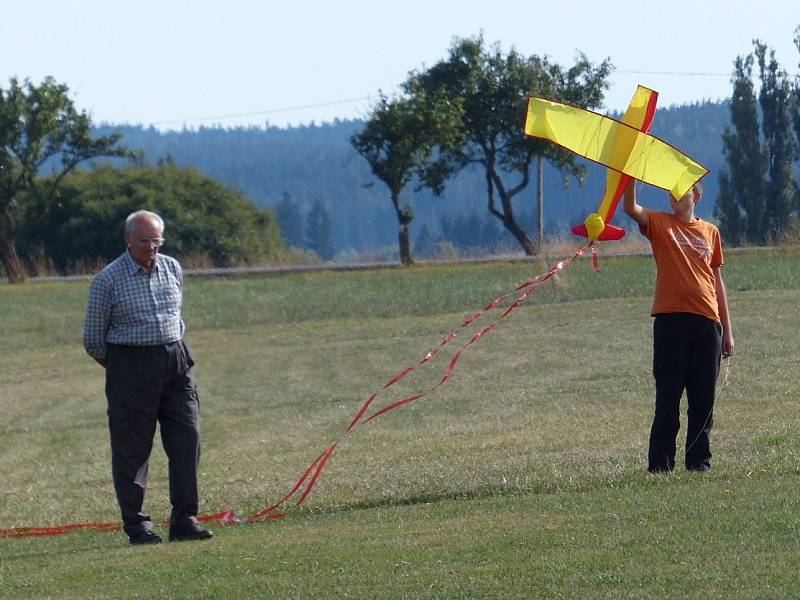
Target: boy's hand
[727, 345]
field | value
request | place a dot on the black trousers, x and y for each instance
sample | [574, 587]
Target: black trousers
[145, 385]
[687, 349]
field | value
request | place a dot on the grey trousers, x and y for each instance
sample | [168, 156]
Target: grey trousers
[145, 385]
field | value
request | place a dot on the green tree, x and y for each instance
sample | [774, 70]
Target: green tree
[204, 218]
[758, 192]
[38, 125]
[398, 141]
[290, 220]
[728, 212]
[492, 88]
[780, 147]
[741, 203]
[796, 89]
[318, 231]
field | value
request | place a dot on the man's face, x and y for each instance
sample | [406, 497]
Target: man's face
[144, 241]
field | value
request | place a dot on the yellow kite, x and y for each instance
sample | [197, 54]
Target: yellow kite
[623, 146]
[639, 114]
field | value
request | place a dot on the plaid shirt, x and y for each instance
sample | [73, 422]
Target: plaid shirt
[131, 307]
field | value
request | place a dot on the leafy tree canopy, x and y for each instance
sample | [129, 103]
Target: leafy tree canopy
[398, 141]
[203, 218]
[39, 125]
[758, 192]
[492, 87]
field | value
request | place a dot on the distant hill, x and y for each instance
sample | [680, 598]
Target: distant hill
[317, 162]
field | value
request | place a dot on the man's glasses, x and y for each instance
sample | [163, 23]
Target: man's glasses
[148, 242]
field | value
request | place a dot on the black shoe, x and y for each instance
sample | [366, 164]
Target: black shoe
[659, 469]
[187, 531]
[701, 468]
[143, 536]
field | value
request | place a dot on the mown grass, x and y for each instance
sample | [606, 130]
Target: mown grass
[522, 477]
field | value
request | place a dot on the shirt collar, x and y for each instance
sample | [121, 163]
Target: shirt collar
[135, 268]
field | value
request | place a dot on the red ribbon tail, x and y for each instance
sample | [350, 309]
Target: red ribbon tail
[264, 514]
[317, 473]
[361, 411]
[395, 404]
[23, 532]
[225, 517]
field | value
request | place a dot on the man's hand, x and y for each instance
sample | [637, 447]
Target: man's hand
[100, 361]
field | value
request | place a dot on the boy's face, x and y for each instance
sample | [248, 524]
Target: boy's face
[684, 206]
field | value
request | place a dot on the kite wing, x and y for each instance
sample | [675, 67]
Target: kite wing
[617, 145]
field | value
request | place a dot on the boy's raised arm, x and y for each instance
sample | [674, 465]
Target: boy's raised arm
[632, 208]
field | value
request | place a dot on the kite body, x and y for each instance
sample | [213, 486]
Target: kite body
[625, 147]
[639, 114]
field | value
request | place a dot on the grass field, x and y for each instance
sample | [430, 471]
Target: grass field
[523, 476]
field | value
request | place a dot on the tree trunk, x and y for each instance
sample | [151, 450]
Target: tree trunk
[510, 223]
[506, 216]
[528, 246]
[405, 246]
[404, 217]
[11, 261]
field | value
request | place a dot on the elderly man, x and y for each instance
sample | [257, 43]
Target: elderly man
[135, 331]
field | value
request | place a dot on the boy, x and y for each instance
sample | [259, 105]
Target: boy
[692, 326]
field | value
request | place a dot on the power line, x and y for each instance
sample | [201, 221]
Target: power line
[363, 98]
[679, 73]
[264, 112]
[684, 73]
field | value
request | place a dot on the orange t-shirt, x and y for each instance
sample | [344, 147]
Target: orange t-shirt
[686, 255]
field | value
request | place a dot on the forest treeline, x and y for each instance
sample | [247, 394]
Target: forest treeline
[317, 163]
[441, 165]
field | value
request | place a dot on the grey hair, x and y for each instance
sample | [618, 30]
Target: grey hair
[130, 222]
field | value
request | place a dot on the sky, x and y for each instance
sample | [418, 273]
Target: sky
[176, 63]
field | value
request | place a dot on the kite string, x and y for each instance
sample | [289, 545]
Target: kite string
[716, 400]
[527, 288]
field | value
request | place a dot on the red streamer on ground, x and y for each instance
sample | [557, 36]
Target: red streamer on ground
[226, 517]
[313, 472]
[23, 532]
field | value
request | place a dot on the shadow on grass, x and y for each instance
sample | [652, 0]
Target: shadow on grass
[32, 547]
[36, 547]
[483, 492]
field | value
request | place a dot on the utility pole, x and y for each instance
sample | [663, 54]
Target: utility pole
[539, 206]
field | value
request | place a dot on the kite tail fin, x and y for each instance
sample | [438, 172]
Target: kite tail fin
[609, 233]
